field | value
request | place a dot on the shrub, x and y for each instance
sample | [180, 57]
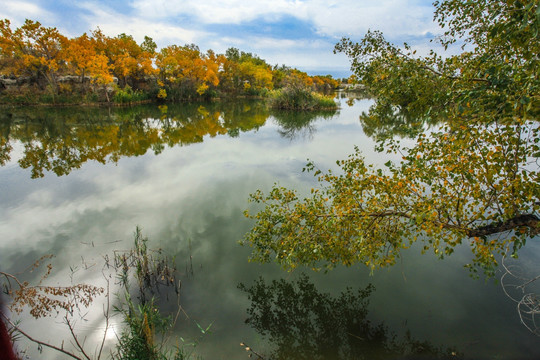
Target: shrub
[300, 98]
[127, 95]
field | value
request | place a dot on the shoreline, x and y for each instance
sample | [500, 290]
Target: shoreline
[154, 101]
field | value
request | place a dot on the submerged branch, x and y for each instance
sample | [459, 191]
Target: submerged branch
[527, 303]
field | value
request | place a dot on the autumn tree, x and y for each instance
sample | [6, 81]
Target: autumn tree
[284, 76]
[31, 50]
[8, 59]
[129, 60]
[188, 70]
[212, 66]
[84, 60]
[176, 72]
[289, 77]
[229, 78]
[473, 179]
[256, 77]
[245, 73]
[324, 83]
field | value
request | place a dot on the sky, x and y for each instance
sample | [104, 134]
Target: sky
[296, 33]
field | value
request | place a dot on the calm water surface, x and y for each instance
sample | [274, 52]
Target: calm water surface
[76, 183]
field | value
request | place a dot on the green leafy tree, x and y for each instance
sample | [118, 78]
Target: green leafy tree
[472, 179]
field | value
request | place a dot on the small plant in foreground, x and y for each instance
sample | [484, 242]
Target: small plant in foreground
[146, 330]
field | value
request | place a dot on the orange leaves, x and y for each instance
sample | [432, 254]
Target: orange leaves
[42, 52]
[32, 48]
[83, 58]
[189, 66]
[99, 69]
[44, 300]
[126, 57]
[37, 50]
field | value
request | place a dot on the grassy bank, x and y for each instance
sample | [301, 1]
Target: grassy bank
[290, 98]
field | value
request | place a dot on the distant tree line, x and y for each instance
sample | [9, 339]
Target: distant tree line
[120, 69]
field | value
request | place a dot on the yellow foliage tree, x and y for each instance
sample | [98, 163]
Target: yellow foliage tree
[188, 69]
[83, 59]
[129, 61]
[31, 50]
[258, 76]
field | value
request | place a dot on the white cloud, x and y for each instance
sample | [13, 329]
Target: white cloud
[307, 59]
[113, 23]
[354, 18]
[220, 44]
[334, 18]
[306, 54]
[400, 20]
[219, 11]
[271, 43]
[18, 11]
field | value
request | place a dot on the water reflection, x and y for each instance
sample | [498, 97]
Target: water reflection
[299, 124]
[384, 122]
[189, 201]
[303, 323]
[61, 140]
[393, 123]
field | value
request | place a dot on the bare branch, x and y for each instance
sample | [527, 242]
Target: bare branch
[527, 304]
[106, 314]
[42, 343]
[523, 220]
[251, 351]
[10, 276]
[75, 338]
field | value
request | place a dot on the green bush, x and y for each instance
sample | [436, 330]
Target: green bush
[91, 97]
[300, 98]
[127, 95]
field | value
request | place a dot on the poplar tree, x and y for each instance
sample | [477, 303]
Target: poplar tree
[471, 179]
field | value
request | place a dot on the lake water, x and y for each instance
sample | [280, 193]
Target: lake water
[76, 183]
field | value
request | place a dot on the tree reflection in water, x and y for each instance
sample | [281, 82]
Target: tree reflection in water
[303, 323]
[386, 121]
[60, 140]
[295, 124]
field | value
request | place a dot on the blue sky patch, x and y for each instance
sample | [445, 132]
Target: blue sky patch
[285, 27]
